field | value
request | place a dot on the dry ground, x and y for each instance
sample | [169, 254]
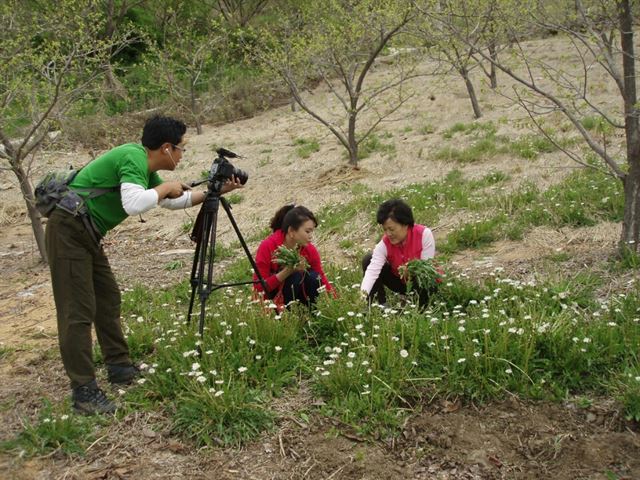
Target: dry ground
[444, 440]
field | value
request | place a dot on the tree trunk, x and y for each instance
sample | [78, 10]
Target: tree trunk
[34, 215]
[630, 238]
[493, 76]
[477, 113]
[353, 144]
[631, 220]
[195, 111]
[113, 85]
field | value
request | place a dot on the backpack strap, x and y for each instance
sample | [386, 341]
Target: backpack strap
[96, 192]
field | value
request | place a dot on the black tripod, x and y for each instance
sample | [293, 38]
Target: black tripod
[204, 234]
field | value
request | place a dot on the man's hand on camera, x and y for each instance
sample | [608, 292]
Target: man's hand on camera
[173, 189]
[231, 184]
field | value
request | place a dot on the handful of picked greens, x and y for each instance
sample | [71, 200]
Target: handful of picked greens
[288, 257]
[424, 274]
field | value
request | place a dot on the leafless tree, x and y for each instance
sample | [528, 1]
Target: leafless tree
[604, 48]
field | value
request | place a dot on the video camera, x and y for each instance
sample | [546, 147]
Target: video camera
[221, 171]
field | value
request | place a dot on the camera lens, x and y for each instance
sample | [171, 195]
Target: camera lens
[241, 175]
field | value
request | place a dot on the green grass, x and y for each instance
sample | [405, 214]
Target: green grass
[372, 366]
[174, 265]
[597, 124]
[55, 429]
[478, 128]
[306, 147]
[234, 198]
[583, 198]
[427, 129]
[376, 144]
[6, 352]
[486, 143]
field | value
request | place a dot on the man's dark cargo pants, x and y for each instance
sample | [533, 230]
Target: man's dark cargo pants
[85, 292]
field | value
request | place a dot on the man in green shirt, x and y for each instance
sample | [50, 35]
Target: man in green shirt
[84, 287]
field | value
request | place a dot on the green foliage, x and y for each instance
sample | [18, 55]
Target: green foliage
[629, 260]
[487, 144]
[187, 226]
[372, 144]
[424, 274]
[55, 429]
[174, 265]
[531, 146]
[597, 124]
[427, 129]
[221, 397]
[480, 129]
[473, 235]
[371, 365]
[631, 399]
[288, 257]
[306, 147]
[51, 57]
[234, 198]
[5, 352]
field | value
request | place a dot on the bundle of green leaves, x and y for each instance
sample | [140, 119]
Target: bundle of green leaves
[424, 274]
[288, 257]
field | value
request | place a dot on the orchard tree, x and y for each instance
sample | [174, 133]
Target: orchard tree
[238, 13]
[338, 42]
[189, 60]
[115, 12]
[602, 42]
[459, 30]
[50, 57]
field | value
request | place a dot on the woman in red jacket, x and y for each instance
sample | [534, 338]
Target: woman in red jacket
[403, 240]
[293, 227]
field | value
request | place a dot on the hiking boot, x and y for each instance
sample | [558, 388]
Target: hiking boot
[89, 399]
[122, 374]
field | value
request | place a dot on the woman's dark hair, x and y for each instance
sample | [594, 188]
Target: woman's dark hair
[158, 130]
[397, 210]
[291, 216]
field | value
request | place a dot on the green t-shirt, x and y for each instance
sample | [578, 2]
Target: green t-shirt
[124, 164]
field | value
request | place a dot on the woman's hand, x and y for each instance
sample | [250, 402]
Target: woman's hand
[302, 265]
[231, 184]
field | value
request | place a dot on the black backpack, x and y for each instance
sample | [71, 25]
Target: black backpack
[54, 186]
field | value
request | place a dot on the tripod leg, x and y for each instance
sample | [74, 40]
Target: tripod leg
[206, 256]
[194, 280]
[227, 208]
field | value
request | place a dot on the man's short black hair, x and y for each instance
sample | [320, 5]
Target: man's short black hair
[159, 130]
[397, 210]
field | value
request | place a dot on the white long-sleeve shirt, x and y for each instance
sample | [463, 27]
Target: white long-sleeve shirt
[379, 258]
[136, 199]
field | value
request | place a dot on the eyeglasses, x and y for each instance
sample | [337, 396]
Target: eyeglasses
[182, 149]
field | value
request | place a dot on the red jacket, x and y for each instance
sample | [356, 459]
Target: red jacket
[268, 268]
[409, 249]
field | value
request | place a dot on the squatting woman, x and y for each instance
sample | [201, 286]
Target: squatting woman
[293, 227]
[403, 240]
